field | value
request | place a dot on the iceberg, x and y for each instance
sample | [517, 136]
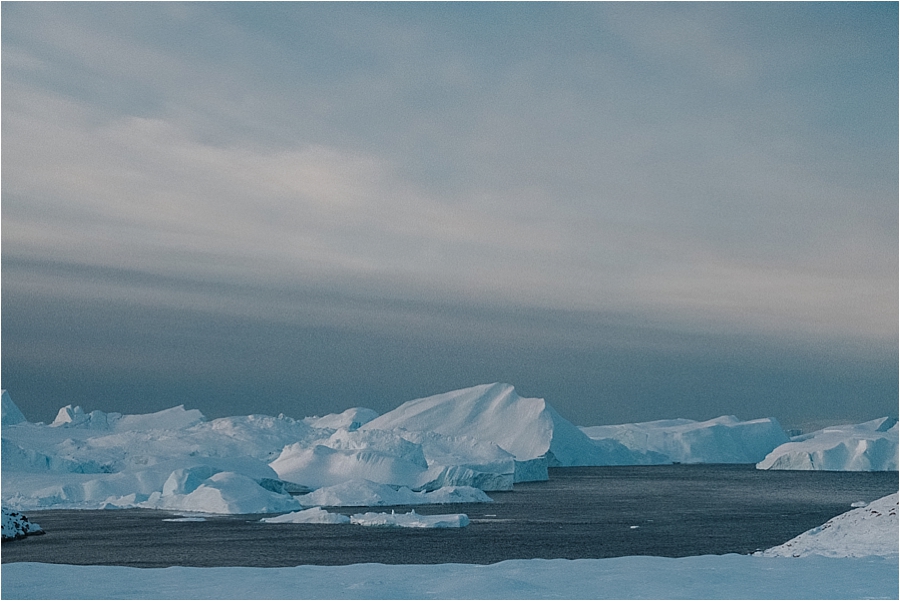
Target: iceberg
[862, 532]
[410, 520]
[9, 412]
[870, 446]
[313, 515]
[724, 439]
[16, 526]
[365, 493]
[529, 429]
[379, 456]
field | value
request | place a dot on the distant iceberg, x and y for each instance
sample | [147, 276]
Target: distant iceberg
[870, 446]
[724, 439]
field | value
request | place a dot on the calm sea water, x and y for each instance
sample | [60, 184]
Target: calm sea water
[670, 511]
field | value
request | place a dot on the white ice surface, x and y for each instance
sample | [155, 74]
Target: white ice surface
[365, 493]
[724, 439]
[869, 530]
[528, 428]
[870, 446]
[410, 520]
[704, 577]
[313, 515]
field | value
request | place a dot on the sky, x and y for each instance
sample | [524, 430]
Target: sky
[634, 211]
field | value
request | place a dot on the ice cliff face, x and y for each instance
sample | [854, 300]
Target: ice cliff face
[10, 413]
[870, 446]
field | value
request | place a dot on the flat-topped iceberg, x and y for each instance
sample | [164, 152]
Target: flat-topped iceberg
[724, 439]
[870, 446]
[410, 520]
[861, 532]
[313, 515]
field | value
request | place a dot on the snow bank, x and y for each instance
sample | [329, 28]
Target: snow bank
[313, 515]
[724, 439]
[9, 413]
[16, 525]
[870, 446]
[410, 520]
[705, 577]
[365, 493]
[869, 530]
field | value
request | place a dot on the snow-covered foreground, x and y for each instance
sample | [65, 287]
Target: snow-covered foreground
[870, 446]
[868, 530]
[704, 577]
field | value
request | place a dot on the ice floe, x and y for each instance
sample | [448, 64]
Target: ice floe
[870, 446]
[16, 525]
[410, 520]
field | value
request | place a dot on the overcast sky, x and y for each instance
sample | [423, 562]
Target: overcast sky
[635, 211]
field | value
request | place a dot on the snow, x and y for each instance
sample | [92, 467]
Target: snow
[724, 439]
[313, 515]
[870, 446]
[868, 530]
[704, 577]
[10, 412]
[16, 525]
[365, 493]
[410, 520]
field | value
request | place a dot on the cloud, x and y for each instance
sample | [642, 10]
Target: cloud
[647, 172]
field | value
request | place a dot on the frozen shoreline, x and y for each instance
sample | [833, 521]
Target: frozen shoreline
[699, 577]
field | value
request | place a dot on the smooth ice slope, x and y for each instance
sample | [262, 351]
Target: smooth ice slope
[870, 446]
[869, 530]
[724, 439]
[530, 429]
[10, 413]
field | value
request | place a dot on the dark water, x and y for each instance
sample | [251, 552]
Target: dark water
[679, 510]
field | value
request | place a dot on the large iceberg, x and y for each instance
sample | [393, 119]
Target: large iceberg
[724, 439]
[527, 428]
[870, 446]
